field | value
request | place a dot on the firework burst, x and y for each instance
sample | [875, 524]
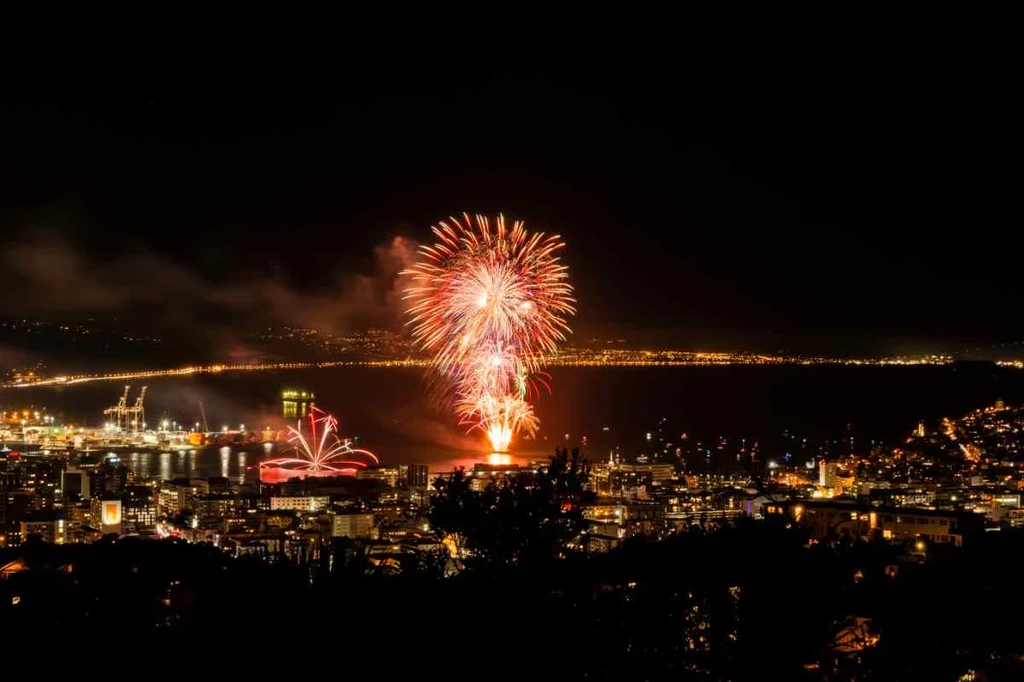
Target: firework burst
[317, 453]
[488, 303]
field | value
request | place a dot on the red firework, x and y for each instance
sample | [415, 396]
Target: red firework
[318, 453]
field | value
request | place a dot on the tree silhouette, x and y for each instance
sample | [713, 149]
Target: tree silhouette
[748, 601]
[525, 518]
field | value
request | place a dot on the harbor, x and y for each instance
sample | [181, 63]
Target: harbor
[124, 428]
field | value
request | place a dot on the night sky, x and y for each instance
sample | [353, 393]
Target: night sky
[787, 197]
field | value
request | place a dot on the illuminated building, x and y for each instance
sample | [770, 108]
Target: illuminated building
[659, 472]
[827, 474]
[279, 520]
[80, 522]
[1015, 518]
[355, 526]
[844, 482]
[636, 518]
[415, 475]
[602, 537]
[300, 503]
[139, 510]
[389, 475]
[1009, 500]
[838, 519]
[174, 497]
[213, 507]
[610, 478]
[903, 496]
[610, 512]
[108, 510]
[48, 526]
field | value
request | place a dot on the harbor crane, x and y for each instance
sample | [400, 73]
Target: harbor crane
[138, 412]
[125, 418]
[119, 412]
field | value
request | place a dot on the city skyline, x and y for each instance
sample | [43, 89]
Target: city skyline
[692, 359]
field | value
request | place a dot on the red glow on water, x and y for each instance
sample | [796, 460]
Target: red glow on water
[321, 454]
[271, 474]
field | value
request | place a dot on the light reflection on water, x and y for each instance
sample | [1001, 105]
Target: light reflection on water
[135, 464]
[238, 464]
[469, 460]
[230, 462]
[225, 456]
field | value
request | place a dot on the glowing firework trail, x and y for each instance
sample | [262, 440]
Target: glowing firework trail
[501, 416]
[479, 285]
[322, 453]
[488, 304]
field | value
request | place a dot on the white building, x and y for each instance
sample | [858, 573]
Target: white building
[355, 526]
[306, 504]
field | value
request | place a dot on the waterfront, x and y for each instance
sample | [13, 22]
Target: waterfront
[386, 410]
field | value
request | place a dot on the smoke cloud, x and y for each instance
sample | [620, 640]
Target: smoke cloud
[48, 277]
[411, 423]
[11, 357]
